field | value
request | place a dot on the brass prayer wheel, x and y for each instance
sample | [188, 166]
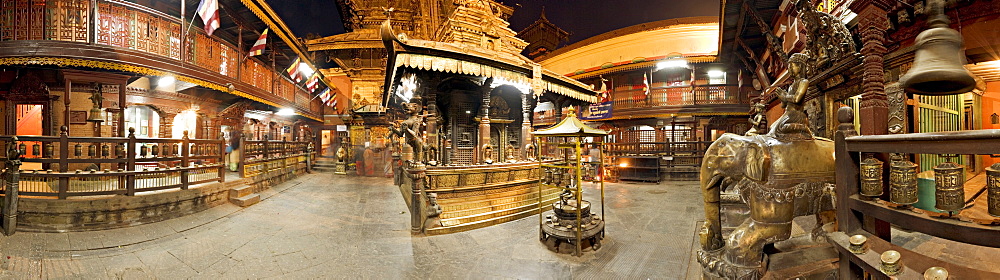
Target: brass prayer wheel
[48, 151]
[871, 176]
[902, 181]
[92, 150]
[993, 189]
[949, 187]
[120, 150]
[143, 150]
[105, 150]
[78, 150]
[22, 148]
[35, 149]
[155, 150]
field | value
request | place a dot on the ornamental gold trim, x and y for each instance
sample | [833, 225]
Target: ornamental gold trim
[78, 62]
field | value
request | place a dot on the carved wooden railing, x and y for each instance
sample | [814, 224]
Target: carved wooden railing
[630, 97]
[275, 161]
[131, 26]
[857, 214]
[83, 166]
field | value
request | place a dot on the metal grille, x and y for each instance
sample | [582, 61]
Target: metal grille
[937, 114]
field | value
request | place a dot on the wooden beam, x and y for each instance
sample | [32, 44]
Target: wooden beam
[773, 42]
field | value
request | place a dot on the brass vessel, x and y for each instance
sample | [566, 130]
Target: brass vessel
[949, 187]
[939, 59]
[890, 262]
[902, 181]
[871, 176]
[993, 186]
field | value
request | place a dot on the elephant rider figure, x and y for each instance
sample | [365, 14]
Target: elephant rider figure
[779, 175]
[411, 129]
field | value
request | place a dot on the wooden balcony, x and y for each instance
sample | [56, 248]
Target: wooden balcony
[126, 37]
[630, 101]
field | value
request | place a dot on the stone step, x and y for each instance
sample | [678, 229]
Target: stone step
[245, 201]
[526, 212]
[496, 213]
[498, 205]
[240, 191]
[492, 200]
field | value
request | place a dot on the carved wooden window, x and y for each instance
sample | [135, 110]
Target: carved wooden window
[67, 20]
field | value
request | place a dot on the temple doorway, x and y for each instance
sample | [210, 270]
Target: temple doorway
[29, 122]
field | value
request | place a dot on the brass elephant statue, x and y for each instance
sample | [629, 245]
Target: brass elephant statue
[779, 175]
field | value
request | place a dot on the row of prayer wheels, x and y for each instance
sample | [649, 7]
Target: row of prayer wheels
[145, 150]
[890, 260]
[949, 183]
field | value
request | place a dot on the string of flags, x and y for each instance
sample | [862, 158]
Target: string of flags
[208, 10]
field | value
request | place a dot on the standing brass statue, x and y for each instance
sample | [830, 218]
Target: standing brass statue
[779, 175]
[411, 129]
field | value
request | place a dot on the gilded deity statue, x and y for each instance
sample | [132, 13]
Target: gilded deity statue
[411, 129]
[756, 117]
[794, 123]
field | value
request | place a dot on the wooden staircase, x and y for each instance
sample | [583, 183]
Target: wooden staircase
[462, 211]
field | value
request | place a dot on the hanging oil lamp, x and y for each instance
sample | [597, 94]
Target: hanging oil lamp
[949, 186]
[993, 189]
[902, 181]
[871, 176]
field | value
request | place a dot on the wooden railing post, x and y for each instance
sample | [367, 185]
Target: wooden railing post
[11, 176]
[130, 162]
[242, 156]
[185, 159]
[221, 161]
[63, 161]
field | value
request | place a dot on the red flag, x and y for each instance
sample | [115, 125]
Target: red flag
[209, 12]
[258, 47]
[645, 84]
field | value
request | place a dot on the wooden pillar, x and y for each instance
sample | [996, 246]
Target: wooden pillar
[874, 111]
[166, 125]
[484, 121]
[68, 91]
[432, 123]
[121, 109]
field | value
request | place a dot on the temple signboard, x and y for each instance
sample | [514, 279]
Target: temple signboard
[597, 111]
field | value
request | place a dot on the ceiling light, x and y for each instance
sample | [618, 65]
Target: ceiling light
[716, 74]
[305, 69]
[166, 81]
[673, 63]
[286, 112]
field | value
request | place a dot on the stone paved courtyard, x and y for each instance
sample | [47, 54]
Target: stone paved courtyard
[331, 226]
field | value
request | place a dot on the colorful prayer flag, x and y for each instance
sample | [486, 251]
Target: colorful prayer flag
[209, 12]
[293, 70]
[258, 47]
[645, 83]
[312, 83]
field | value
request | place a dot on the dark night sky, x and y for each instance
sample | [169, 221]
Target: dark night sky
[582, 18]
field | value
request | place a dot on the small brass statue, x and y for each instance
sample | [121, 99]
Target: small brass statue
[757, 117]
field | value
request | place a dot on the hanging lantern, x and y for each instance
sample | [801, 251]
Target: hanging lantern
[949, 187]
[902, 181]
[871, 176]
[993, 186]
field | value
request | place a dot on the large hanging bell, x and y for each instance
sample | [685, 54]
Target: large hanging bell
[939, 59]
[95, 115]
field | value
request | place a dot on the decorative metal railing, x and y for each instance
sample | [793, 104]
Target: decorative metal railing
[82, 166]
[131, 26]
